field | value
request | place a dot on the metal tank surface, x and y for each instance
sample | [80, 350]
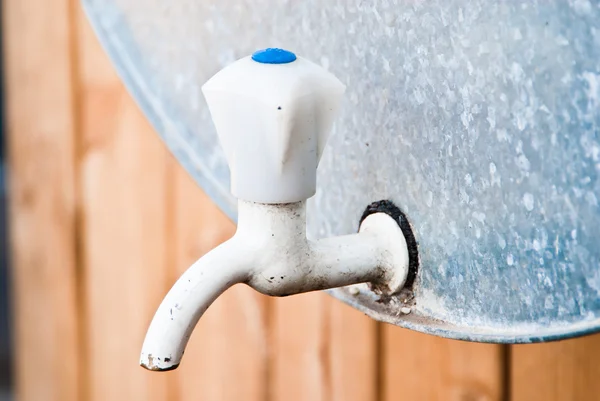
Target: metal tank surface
[481, 121]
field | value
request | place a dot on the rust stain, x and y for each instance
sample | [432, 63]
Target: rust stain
[155, 368]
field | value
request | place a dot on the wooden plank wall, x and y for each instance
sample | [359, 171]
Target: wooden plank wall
[103, 220]
[42, 198]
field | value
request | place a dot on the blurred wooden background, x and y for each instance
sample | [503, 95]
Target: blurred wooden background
[103, 220]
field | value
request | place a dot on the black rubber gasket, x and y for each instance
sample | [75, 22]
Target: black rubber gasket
[388, 207]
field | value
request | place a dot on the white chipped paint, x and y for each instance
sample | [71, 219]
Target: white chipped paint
[528, 201]
[510, 260]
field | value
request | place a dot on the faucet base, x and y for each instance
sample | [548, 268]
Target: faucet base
[393, 252]
[388, 207]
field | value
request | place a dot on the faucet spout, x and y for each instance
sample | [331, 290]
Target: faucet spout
[187, 301]
[271, 253]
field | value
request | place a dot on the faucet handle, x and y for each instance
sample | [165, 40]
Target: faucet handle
[273, 113]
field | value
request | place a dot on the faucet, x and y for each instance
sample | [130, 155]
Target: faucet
[273, 112]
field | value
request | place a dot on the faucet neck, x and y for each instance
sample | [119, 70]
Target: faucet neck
[266, 221]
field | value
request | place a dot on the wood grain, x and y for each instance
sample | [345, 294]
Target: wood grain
[300, 364]
[42, 207]
[559, 371]
[353, 354]
[226, 358]
[418, 367]
[321, 350]
[123, 173]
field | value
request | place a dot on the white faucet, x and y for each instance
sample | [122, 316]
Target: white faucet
[273, 112]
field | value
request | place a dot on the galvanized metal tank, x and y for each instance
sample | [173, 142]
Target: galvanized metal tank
[481, 121]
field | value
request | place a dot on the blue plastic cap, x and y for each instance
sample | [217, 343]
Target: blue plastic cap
[273, 56]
